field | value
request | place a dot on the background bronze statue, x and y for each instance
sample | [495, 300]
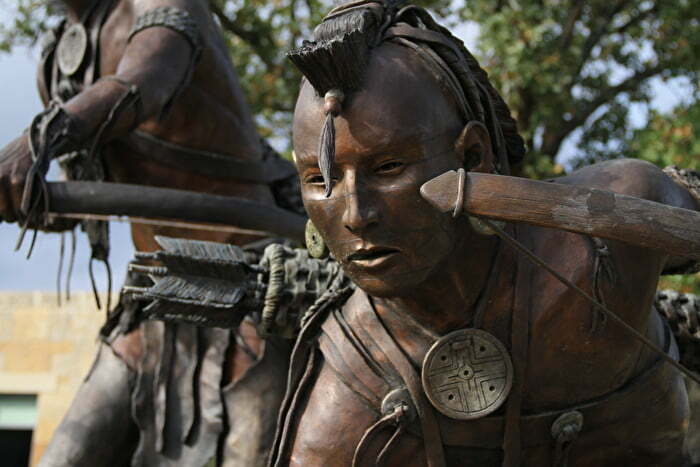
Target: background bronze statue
[144, 92]
[392, 100]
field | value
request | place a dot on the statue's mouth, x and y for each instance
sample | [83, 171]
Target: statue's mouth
[371, 256]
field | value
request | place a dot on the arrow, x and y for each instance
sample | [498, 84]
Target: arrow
[588, 211]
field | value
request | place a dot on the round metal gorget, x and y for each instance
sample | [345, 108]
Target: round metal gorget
[71, 49]
[467, 374]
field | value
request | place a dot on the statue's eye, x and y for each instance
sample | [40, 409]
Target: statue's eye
[390, 167]
[314, 179]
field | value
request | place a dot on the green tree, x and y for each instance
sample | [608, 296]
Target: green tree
[565, 66]
[573, 65]
[259, 33]
[669, 139]
[27, 20]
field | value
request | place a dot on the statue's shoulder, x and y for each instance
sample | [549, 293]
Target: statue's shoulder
[632, 177]
[672, 186]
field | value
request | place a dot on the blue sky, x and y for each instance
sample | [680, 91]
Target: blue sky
[20, 103]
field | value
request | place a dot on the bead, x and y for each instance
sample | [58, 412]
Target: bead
[333, 102]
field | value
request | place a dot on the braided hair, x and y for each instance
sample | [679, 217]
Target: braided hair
[335, 62]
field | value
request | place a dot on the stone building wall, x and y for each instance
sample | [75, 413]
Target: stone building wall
[46, 350]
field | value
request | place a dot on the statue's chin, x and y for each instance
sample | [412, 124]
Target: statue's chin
[387, 285]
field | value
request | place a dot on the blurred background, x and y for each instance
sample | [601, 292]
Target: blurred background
[587, 81]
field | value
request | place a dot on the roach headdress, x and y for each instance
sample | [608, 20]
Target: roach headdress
[334, 63]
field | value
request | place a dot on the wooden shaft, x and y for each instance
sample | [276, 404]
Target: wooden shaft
[588, 211]
[101, 198]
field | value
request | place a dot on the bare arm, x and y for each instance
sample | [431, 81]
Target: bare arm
[155, 64]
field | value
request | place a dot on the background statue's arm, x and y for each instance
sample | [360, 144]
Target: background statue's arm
[163, 44]
[162, 47]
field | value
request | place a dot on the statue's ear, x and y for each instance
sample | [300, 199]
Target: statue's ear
[474, 148]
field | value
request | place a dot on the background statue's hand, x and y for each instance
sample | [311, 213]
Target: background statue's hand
[15, 162]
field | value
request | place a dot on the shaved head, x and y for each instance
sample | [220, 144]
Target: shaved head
[398, 86]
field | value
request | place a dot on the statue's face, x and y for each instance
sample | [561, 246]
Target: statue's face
[391, 137]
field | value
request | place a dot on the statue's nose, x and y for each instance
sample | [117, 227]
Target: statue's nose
[360, 208]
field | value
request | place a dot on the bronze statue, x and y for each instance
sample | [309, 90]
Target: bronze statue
[450, 347]
[460, 340]
[454, 349]
[144, 92]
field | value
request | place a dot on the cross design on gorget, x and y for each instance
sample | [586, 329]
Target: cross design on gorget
[467, 374]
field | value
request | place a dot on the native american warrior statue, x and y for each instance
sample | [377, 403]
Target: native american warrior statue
[447, 337]
[143, 92]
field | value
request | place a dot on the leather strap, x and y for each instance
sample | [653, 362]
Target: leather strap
[92, 70]
[302, 363]
[207, 163]
[348, 363]
[520, 330]
[301, 368]
[434, 452]
[407, 31]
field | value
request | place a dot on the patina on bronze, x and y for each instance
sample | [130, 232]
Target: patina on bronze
[467, 374]
[314, 242]
[420, 275]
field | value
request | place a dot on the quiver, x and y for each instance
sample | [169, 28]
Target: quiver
[217, 285]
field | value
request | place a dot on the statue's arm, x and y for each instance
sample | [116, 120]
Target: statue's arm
[162, 46]
[647, 181]
[624, 275]
[641, 179]
[163, 43]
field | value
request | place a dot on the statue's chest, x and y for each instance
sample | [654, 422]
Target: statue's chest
[72, 53]
[567, 352]
[574, 353]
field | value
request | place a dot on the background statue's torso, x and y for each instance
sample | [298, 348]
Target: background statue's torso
[210, 114]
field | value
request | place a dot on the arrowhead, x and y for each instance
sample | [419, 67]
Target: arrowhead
[441, 191]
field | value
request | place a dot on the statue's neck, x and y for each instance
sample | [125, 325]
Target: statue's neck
[447, 300]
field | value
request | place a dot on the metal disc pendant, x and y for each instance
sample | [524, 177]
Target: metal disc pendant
[71, 49]
[467, 374]
[314, 242]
